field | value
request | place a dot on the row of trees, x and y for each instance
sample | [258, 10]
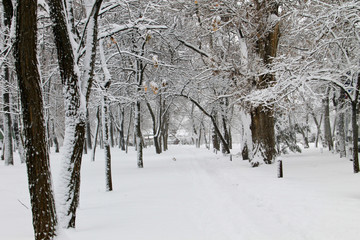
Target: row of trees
[264, 70]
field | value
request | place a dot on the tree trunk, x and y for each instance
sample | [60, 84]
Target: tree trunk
[341, 125]
[111, 131]
[155, 130]
[37, 155]
[215, 139]
[128, 130]
[327, 127]
[355, 137]
[9, 158]
[96, 134]
[139, 144]
[121, 130]
[55, 140]
[88, 130]
[263, 135]
[75, 102]
[262, 121]
[106, 131]
[18, 139]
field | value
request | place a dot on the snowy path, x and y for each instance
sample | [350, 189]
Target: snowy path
[202, 196]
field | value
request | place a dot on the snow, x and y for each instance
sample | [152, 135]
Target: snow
[201, 195]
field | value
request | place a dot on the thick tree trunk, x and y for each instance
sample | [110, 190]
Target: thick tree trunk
[263, 135]
[262, 121]
[37, 156]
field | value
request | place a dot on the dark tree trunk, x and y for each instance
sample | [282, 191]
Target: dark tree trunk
[355, 137]
[263, 135]
[111, 131]
[121, 130]
[215, 139]
[106, 131]
[226, 133]
[88, 130]
[327, 127]
[37, 156]
[155, 130]
[138, 135]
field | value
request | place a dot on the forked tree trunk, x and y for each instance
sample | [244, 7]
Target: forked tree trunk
[75, 102]
[37, 155]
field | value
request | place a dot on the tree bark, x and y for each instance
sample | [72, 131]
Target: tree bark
[37, 155]
[263, 135]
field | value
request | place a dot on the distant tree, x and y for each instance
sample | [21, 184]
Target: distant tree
[36, 151]
[8, 141]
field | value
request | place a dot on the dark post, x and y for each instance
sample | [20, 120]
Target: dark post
[280, 169]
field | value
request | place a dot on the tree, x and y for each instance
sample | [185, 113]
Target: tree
[76, 89]
[8, 142]
[36, 152]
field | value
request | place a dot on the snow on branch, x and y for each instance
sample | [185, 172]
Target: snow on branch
[138, 24]
[189, 45]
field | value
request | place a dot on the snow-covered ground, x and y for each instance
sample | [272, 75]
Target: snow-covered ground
[199, 196]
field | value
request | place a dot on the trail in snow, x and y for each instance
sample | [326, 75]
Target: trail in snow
[200, 196]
